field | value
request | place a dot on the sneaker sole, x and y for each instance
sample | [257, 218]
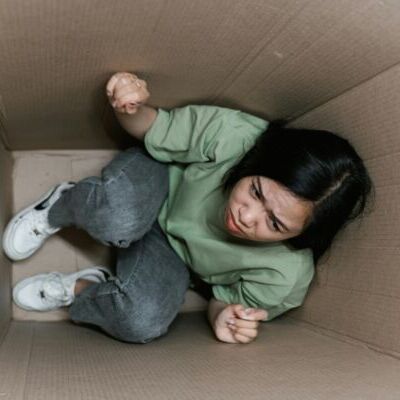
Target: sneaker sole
[8, 247]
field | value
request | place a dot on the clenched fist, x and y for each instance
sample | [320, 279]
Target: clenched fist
[126, 92]
[234, 324]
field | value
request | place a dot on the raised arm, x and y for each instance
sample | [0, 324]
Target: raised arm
[127, 95]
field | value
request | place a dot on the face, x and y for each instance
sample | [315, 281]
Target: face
[261, 209]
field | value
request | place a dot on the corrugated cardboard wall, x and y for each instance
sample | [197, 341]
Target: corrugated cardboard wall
[272, 57]
[5, 214]
[358, 290]
[275, 58]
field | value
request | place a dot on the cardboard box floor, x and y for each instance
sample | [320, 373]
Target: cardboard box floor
[57, 360]
[327, 65]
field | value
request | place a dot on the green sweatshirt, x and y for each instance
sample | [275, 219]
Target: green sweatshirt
[201, 143]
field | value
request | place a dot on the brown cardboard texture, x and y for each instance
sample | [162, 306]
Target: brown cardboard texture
[325, 65]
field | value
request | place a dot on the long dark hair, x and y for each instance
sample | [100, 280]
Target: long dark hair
[314, 165]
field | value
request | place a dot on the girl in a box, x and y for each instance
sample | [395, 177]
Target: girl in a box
[217, 196]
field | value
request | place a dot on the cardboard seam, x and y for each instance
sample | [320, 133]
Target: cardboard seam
[4, 332]
[361, 291]
[158, 19]
[3, 134]
[341, 337]
[28, 363]
[293, 118]
[74, 154]
[387, 186]
[74, 249]
[239, 70]
[104, 113]
[313, 44]
[395, 153]
[287, 60]
[367, 247]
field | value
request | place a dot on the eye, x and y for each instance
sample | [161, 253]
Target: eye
[275, 225]
[255, 191]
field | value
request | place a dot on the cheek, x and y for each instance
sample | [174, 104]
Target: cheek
[263, 233]
[236, 198]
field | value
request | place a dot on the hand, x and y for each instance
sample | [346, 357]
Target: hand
[126, 92]
[234, 325]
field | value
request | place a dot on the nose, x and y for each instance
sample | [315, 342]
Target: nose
[248, 215]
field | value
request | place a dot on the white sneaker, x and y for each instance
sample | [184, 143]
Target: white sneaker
[29, 229]
[46, 292]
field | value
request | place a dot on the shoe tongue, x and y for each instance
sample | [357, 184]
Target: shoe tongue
[40, 227]
[45, 229]
[56, 288]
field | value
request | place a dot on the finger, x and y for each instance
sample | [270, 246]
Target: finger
[242, 339]
[130, 93]
[251, 333]
[125, 79]
[240, 323]
[111, 84]
[229, 338]
[238, 309]
[120, 110]
[126, 86]
[262, 314]
[131, 98]
[253, 314]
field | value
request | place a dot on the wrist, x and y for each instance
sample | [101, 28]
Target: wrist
[140, 122]
[214, 308]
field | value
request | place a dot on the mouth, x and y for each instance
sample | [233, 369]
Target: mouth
[230, 222]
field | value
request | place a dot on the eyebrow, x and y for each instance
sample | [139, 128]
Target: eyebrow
[264, 200]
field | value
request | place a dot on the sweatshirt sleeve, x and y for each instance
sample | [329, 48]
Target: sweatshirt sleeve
[199, 133]
[260, 289]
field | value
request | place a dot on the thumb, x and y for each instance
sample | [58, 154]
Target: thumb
[238, 310]
[262, 314]
[254, 314]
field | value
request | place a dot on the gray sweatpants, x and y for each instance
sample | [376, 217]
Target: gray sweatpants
[120, 209]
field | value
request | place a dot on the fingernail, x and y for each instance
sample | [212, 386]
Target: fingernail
[231, 321]
[248, 311]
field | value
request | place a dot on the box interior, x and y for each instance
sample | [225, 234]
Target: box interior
[323, 65]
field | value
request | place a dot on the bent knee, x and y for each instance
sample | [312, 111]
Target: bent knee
[142, 325]
[139, 333]
[115, 230]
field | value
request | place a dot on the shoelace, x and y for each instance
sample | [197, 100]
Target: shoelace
[54, 289]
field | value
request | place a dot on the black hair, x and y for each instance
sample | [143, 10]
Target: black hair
[314, 165]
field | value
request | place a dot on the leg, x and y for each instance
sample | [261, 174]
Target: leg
[139, 304]
[121, 206]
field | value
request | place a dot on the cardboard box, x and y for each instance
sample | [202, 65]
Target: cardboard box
[326, 65]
